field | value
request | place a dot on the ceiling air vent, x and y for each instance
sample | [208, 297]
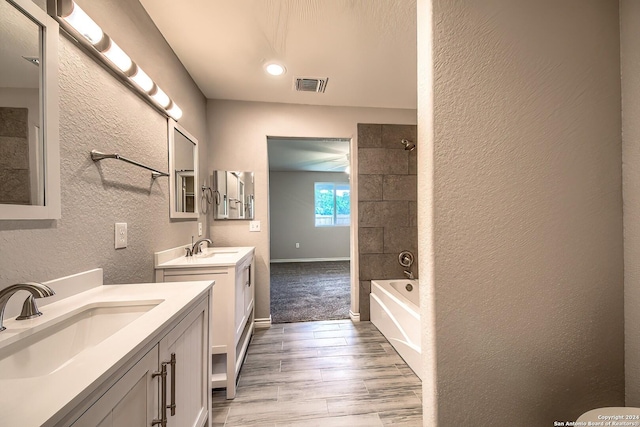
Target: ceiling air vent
[310, 84]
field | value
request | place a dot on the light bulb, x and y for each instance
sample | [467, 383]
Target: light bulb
[175, 112]
[275, 69]
[118, 57]
[160, 97]
[84, 25]
[142, 80]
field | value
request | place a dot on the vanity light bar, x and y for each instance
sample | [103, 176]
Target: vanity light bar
[73, 17]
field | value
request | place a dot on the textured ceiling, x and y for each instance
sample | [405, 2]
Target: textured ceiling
[367, 48]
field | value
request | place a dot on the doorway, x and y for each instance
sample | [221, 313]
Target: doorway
[309, 220]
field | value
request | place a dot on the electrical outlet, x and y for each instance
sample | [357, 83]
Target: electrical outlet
[254, 226]
[121, 235]
[199, 229]
[297, 245]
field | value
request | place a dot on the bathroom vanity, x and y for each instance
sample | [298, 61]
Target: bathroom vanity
[110, 356]
[232, 305]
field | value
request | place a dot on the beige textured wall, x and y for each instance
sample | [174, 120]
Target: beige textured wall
[98, 112]
[425, 211]
[630, 65]
[238, 136]
[527, 210]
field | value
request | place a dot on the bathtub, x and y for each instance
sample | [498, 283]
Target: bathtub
[395, 312]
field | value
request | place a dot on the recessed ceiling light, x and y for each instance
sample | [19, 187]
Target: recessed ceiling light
[275, 69]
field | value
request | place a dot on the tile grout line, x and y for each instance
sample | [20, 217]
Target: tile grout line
[379, 419]
[227, 416]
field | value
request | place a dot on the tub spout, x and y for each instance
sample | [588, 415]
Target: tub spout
[408, 274]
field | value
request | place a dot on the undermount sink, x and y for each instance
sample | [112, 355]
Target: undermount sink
[216, 252]
[211, 256]
[55, 346]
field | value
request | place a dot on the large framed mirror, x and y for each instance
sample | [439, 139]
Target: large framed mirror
[183, 172]
[29, 113]
[233, 194]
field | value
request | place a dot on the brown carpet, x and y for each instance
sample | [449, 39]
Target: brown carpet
[307, 291]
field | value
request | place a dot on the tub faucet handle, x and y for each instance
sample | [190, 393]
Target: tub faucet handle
[405, 258]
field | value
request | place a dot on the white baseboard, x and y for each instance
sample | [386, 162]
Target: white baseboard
[263, 323]
[355, 317]
[275, 261]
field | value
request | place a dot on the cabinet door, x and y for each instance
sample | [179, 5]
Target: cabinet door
[249, 289]
[129, 402]
[188, 378]
[239, 314]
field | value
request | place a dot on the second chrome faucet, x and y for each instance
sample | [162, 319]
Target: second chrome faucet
[195, 248]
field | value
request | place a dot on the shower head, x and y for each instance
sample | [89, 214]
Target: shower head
[408, 145]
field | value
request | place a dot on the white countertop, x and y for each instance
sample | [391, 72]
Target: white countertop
[210, 257]
[43, 400]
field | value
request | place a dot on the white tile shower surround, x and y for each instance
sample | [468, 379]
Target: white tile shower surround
[329, 373]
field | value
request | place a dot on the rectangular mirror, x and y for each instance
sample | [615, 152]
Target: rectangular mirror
[29, 146]
[233, 195]
[183, 172]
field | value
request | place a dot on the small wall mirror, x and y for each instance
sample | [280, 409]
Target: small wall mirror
[233, 195]
[183, 171]
[29, 147]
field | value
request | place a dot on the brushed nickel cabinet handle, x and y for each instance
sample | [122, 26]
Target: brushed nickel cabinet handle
[172, 406]
[163, 396]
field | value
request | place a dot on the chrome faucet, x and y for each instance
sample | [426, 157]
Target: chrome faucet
[408, 274]
[195, 248]
[29, 308]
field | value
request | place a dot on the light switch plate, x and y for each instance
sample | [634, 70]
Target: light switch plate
[254, 226]
[121, 235]
[199, 229]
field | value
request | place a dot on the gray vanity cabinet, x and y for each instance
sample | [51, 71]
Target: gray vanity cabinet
[135, 399]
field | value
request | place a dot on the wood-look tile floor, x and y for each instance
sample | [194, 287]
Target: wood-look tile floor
[321, 374]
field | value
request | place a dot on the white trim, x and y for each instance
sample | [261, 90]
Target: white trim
[173, 127]
[263, 323]
[49, 119]
[355, 317]
[275, 261]
[354, 249]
